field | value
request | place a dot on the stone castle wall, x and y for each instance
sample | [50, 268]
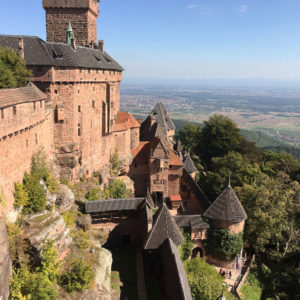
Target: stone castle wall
[22, 134]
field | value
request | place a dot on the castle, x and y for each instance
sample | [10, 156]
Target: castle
[71, 107]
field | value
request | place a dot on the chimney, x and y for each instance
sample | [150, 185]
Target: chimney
[101, 45]
[21, 47]
[73, 43]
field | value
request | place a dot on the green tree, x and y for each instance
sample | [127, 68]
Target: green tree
[189, 136]
[21, 195]
[79, 278]
[117, 189]
[204, 280]
[49, 261]
[36, 193]
[13, 72]
[219, 136]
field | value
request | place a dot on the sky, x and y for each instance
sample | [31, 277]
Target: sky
[187, 39]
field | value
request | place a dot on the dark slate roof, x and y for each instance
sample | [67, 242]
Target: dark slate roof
[193, 221]
[149, 200]
[113, 205]
[29, 93]
[195, 188]
[161, 115]
[189, 165]
[179, 278]
[227, 207]
[164, 227]
[40, 53]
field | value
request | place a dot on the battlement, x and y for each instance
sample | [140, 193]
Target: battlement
[92, 5]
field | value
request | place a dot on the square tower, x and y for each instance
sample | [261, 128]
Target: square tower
[82, 14]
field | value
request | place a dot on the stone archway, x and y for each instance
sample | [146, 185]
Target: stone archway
[196, 251]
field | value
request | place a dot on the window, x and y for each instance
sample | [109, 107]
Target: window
[26, 143]
[2, 113]
[14, 110]
[36, 138]
[89, 71]
[91, 124]
[78, 91]
[41, 104]
[97, 71]
[93, 104]
[79, 108]
[80, 71]
[55, 91]
[93, 89]
[79, 131]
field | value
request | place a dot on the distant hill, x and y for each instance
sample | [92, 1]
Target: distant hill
[262, 140]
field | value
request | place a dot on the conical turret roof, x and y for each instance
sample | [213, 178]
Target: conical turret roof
[164, 227]
[227, 207]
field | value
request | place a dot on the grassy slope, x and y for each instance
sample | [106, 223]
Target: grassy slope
[263, 141]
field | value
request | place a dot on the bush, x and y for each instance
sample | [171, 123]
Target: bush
[221, 243]
[93, 194]
[21, 195]
[115, 162]
[81, 239]
[69, 218]
[79, 278]
[185, 249]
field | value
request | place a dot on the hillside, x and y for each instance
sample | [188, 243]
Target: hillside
[262, 140]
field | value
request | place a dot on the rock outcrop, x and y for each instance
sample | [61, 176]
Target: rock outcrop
[47, 225]
[5, 263]
[65, 198]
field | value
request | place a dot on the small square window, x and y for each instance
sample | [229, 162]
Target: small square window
[2, 113]
[93, 104]
[78, 91]
[14, 110]
[55, 91]
[79, 108]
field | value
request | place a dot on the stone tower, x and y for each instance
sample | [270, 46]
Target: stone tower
[82, 14]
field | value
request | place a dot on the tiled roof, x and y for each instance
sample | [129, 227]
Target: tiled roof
[140, 154]
[161, 115]
[189, 165]
[175, 198]
[227, 207]
[113, 205]
[40, 53]
[164, 227]
[193, 221]
[179, 288]
[29, 93]
[174, 159]
[125, 121]
[195, 188]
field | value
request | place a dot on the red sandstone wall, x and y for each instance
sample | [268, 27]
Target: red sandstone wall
[134, 137]
[29, 130]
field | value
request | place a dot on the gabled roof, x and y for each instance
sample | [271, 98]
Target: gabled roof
[193, 221]
[149, 200]
[29, 93]
[113, 205]
[40, 53]
[161, 115]
[227, 207]
[189, 165]
[164, 227]
[180, 289]
[195, 188]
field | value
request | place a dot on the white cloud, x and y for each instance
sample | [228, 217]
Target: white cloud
[243, 9]
[192, 6]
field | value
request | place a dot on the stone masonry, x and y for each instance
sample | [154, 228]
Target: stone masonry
[82, 15]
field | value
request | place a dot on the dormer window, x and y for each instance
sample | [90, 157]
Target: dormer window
[57, 54]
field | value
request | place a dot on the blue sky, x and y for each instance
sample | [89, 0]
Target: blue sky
[197, 39]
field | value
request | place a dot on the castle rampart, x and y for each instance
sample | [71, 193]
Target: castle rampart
[26, 125]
